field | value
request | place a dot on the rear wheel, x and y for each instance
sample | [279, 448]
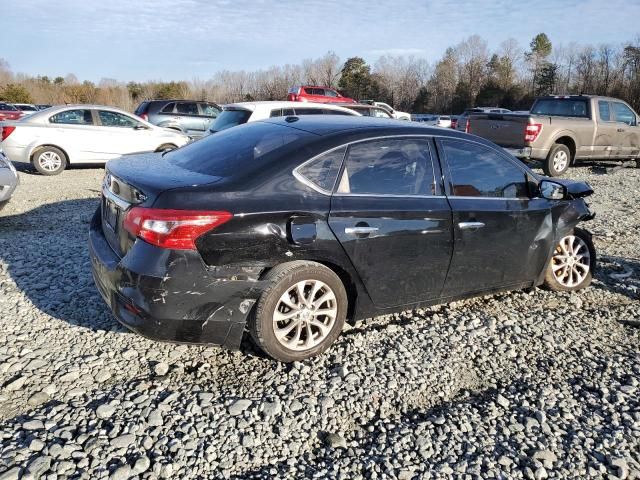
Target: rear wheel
[301, 313]
[574, 259]
[49, 161]
[557, 161]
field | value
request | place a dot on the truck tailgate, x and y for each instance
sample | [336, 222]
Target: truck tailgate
[504, 129]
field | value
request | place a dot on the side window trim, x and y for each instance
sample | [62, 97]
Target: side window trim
[447, 177]
[434, 152]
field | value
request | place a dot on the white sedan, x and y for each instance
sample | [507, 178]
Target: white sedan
[89, 134]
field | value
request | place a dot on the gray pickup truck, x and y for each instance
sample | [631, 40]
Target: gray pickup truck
[561, 129]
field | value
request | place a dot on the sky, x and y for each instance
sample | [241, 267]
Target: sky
[188, 39]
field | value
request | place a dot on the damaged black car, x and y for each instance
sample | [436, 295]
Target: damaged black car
[286, 228]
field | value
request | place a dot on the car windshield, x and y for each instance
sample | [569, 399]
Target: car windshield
[230, 118]
[242, 148]
[561, 107]
[27, 108]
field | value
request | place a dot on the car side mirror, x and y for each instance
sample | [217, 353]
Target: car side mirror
[552, 190]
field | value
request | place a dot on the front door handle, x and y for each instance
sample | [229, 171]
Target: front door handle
[360, 230]
[470, 225]
[621, 130]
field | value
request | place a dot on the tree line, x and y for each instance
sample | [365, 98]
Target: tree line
[468, 74]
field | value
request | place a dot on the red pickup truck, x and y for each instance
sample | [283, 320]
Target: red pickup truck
[9, 112]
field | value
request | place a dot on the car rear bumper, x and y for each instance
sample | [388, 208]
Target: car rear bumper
[528, 153]
[172, 295]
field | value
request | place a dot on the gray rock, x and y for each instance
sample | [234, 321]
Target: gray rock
[503, 402]
[33, 425]
[105, 411]
[15, 384]
[155, 418]
[36, 445]
[123, 472]
[38, 398]
[11, 474]
[161, 369]
[39, 466]
[123, 441]
[239, 406]
[334, 440]
[142, 465]
[621, 466]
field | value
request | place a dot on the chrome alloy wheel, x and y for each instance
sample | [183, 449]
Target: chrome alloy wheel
[304, 315]
[560, 160]
[50, 161]
[571, 261]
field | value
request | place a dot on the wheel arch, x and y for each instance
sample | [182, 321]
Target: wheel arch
[570, 142]
[35, 150]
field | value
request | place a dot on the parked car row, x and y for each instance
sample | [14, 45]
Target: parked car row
[15, 111]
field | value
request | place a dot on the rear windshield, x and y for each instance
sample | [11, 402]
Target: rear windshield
[236, 149]
[141, 108]
[230, 118]
[27, 108]
[561, 107]
[7, 108]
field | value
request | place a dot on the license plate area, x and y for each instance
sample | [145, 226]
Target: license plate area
[110, 214]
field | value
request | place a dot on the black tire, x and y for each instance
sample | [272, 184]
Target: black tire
[550, 279]
[43, 157]
[3, 204]
[281, 279]
[166, 147]
[559, 154]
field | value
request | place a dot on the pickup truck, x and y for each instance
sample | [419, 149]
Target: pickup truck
[561, 129]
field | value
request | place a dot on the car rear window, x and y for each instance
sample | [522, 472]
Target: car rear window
[561, 107]
[141, 108]
[236, 149]
[7, 108]
[230, 118]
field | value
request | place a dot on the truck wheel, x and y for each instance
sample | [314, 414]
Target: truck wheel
[572, 264]
[300, 313]
[557, 161]
[50, 161]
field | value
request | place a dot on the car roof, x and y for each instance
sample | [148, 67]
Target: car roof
[268, 104]
[42, 115]
[332, 124]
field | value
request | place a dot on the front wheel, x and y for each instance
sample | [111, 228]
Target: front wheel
[49, 161]
[557, 161]
[300, 313]
[574, 259]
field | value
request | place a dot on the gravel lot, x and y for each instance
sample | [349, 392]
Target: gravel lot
[520, 385]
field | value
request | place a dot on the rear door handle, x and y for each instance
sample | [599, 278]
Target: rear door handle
[470, 225]
[360, 230]
[621, 130]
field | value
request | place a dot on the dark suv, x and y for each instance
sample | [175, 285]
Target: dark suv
[187, 116]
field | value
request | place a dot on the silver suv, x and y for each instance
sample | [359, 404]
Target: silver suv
[190, 117]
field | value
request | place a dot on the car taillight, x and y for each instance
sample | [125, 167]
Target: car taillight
[175, 229]
[467, 126]
[454, 123]
[532, 131]
[6, 131]
[144, 116]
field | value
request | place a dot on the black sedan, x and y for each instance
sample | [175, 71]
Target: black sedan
[286, 228]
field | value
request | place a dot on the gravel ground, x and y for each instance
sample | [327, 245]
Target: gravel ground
[519, 385]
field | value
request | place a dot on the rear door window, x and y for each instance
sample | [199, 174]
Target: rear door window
[308, 111]
[168, 108]
[330, 93]
[141, 108]
[604, 111]
[388, 167]
[187, 108]
[323, 170]
[115, 119]
[73, 117]
[277, 112]
[478, 171]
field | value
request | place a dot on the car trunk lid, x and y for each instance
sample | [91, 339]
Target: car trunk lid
[138, 180]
